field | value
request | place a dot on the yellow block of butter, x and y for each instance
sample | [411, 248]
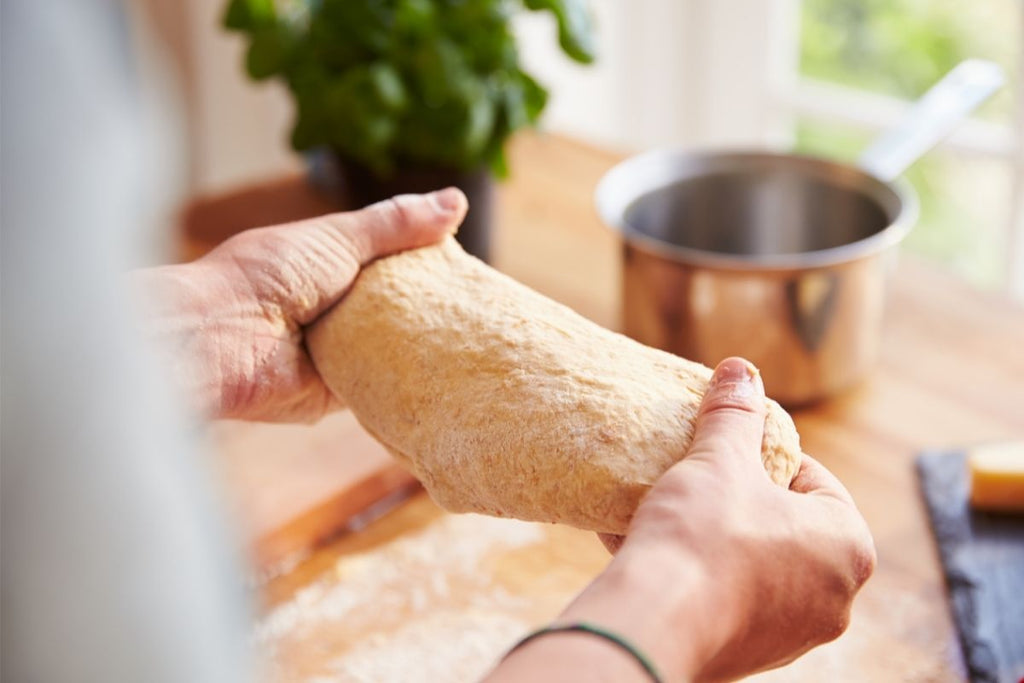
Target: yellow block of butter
[997, 476]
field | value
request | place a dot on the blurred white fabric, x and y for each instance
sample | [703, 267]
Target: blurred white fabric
[117, 564]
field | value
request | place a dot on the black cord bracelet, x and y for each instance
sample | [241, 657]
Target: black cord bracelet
[584, 627]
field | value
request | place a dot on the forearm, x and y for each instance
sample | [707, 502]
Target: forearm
[674, 627]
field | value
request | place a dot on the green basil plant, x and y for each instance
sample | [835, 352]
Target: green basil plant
[386, 83]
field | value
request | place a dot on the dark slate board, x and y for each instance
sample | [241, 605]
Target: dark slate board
[983, 559]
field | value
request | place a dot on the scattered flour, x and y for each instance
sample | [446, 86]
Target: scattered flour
[421, 608]
[443, 647]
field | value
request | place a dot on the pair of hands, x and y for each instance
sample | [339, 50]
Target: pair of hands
[722, 574]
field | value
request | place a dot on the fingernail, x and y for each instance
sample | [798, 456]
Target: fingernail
[447, 200]
[735, 371]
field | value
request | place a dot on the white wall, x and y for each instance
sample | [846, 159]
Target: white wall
[672, 72]
[243, 127]
[583, 100]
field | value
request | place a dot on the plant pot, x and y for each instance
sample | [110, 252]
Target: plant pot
[356, 186]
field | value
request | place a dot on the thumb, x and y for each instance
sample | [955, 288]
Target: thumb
[730, 422]
[403, 222]
[305, 267]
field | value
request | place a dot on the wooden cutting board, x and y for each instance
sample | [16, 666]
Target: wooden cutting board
[292, 487]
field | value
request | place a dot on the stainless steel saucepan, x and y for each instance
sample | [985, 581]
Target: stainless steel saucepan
[779, 258]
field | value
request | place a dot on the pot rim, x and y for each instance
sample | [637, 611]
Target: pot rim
[630, 179]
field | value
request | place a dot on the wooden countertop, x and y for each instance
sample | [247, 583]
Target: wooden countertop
[423, 595]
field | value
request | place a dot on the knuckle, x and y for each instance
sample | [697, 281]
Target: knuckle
[863, 559]
[734, 399]
[395, 211]
[835, 627]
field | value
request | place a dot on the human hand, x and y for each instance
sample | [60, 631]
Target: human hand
[235, 317]
[723, 573]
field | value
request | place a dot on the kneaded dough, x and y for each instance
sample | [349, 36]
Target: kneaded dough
[504, 402]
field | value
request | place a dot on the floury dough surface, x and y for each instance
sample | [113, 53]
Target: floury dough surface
[504, 402]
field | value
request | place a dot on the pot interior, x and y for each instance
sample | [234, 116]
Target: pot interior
[763, 211]
[753, 209]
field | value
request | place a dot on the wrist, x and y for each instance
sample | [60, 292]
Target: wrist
[663, 602]
[570, 655]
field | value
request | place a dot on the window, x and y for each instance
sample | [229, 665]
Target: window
[818, 76]
[860, 59]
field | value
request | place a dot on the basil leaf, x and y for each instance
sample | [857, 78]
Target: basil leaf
[268, 52]
[246, 15]
[575, 26]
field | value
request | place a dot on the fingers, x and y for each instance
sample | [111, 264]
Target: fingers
[402, 222]
[814, 478]
[730, 422]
